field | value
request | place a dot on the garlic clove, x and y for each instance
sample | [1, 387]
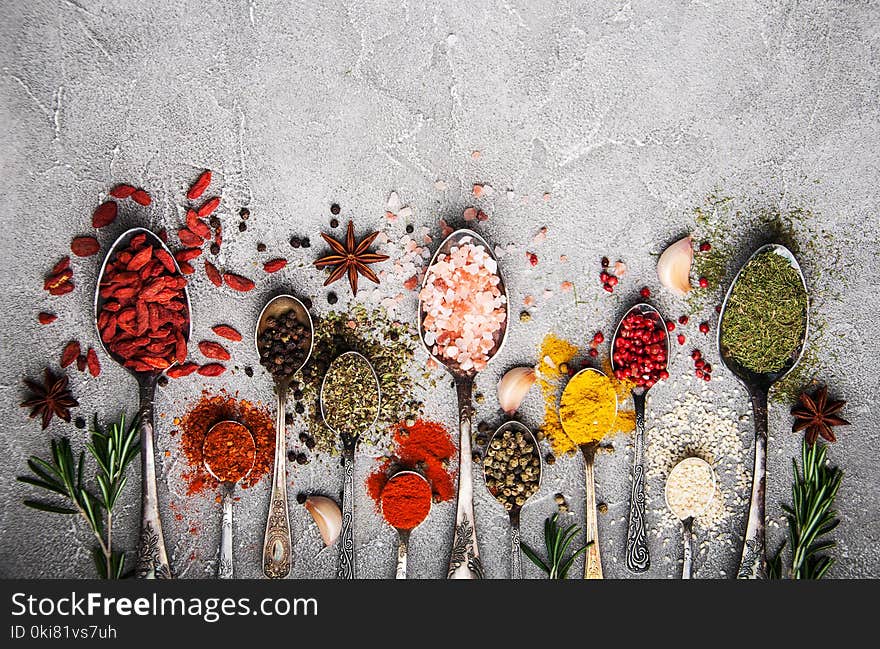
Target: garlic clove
[513, 387]
[327, 515]
[674, 266]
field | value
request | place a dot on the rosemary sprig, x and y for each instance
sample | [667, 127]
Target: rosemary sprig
[557, 541]
[113, 448]
[810, 517]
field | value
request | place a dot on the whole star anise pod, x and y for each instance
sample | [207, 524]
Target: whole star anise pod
[817, 415]
[351, 258]
[52, 397]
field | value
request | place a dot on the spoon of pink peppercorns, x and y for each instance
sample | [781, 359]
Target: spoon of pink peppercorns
[639, 355]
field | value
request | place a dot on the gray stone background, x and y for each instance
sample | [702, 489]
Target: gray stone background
[628, 114]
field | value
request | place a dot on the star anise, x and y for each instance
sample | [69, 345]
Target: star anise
[817, 414]
[52, 397]
[350, 258]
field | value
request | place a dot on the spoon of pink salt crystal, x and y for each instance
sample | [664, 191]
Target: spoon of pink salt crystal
[463, 315]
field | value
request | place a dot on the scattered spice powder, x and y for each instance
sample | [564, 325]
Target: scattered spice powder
[423, 446]
[212, 409]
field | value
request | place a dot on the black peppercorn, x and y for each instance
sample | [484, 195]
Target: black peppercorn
[307, 302]
[215, 248]
[297, 395]
[163, 381]
[302, 458]
[299, 408]
[79, 422]
[335, 209]
[301, 497]
[261, 247]
[249, 370]
[410, 229]
[334, 223]
[242, 226]
[332, 298]
[306, 243]
[311, 443]
[291, 456]
[288, 418]
[214, 221]
[295, 242]
[244, 213]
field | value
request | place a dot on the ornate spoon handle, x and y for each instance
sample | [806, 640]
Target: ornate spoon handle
[464, 561]
[402, 550]
[225, 568]
[152, 559]
[593, 560]
[637, 557]
[687, 534]
[346, 567]
[753, 564]
[516, 570]
[276, 542]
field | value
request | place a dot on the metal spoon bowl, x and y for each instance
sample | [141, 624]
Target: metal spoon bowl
[464, 561]
[753, 562]
[346, 568]
[277, 557]
[687, 523]
[638, 558]
[402, 534]
[225, 564]
[514, 513]
[593, 561]
[152, 557]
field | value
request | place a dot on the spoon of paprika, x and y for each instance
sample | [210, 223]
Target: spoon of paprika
[229, 453]
[406, 502]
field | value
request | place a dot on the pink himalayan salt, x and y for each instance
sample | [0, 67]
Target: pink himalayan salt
[445, 228]
[470, 214]
[529, 300]
[566, 286]
[478, 190]
[463, 305]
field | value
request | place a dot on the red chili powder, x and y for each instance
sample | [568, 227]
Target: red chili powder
[425, 447]
[214, 408]
[406, 501]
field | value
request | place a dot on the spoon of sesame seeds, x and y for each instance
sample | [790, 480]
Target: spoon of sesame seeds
[689, 490]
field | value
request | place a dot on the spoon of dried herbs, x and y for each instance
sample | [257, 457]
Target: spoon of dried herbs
[761, 336]
[350, 401]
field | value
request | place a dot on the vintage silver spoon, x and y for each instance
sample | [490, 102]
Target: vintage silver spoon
[753, 563]
[225, 565]
[687, 514]
[277, 557]
[464, 561]
[637, 557]
[152, 558]
[593, 560]
[514, 513]
[346, 569]
[403, 534]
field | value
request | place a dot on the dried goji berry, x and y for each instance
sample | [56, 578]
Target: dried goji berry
[104, 215]
[46, 318]
[225, 331]
[84, 246]
[189, 238]
[187, 253]
[71, 351]
[210, 349]
[165, 259]
[200, 185]
[198, 226]
[140, 259]
[92, 362]
[186, 268]
[122, 191]
[238, 283]
[63, 264]
[81, 362]
[274, 265]
[212, 369]
[208, 206]
[57, 279]
[213, 274]
[182, 370]
[141, 197]
[62, 289]
[163, 235]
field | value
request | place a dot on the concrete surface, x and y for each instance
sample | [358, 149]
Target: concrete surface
[628, 115]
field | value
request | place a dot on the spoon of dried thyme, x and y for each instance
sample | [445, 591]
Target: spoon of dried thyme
[350, 400]
[761, 336]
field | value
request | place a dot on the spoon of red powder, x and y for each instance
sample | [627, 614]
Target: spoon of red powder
[406, 502]
[229, 453]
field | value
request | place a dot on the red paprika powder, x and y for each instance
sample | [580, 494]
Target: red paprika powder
[426, 447]
[229, 451]
[406, 501]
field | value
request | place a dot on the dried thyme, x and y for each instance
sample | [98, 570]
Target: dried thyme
[765, 318]
[350, 396]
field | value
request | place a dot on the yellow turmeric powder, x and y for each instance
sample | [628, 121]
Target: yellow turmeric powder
[556, 355]
[587, 408]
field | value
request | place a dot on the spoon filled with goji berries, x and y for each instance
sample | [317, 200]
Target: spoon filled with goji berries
[639, 355]
[142, 314]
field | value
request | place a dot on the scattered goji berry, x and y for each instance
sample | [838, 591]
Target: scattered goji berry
[225, 331]
[274, 265]
[141, 197]
[71, 351]
[199, 186]
[84, 246]
[92, 362]
[208, 206]
[123, 191]
[238, 283]
[212, 369]
[213, 274]
[46, 318]
[105, 214]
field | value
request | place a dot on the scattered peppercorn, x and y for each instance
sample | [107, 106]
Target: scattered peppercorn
[306, 243]
[215, 248]
[249, 370]
[335, 209]
[307, 302]
[334, 223]
[242, 226]
[605, 262]
[602, 507]
[244, 213]
[550, 459]
[261, 247]
[291, 456]
[332, 298]
[163, 381]
[410, 229]
[302, 458]
[295, 242]
[299, 408]
[79, 422]
[301, 498]
[525, 316]
[214, 221]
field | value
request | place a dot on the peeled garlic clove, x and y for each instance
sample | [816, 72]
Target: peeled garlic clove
[674, 266]
[327, 515]
[513, 386]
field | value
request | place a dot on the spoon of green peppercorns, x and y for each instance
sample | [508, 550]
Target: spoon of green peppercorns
[512, 470]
